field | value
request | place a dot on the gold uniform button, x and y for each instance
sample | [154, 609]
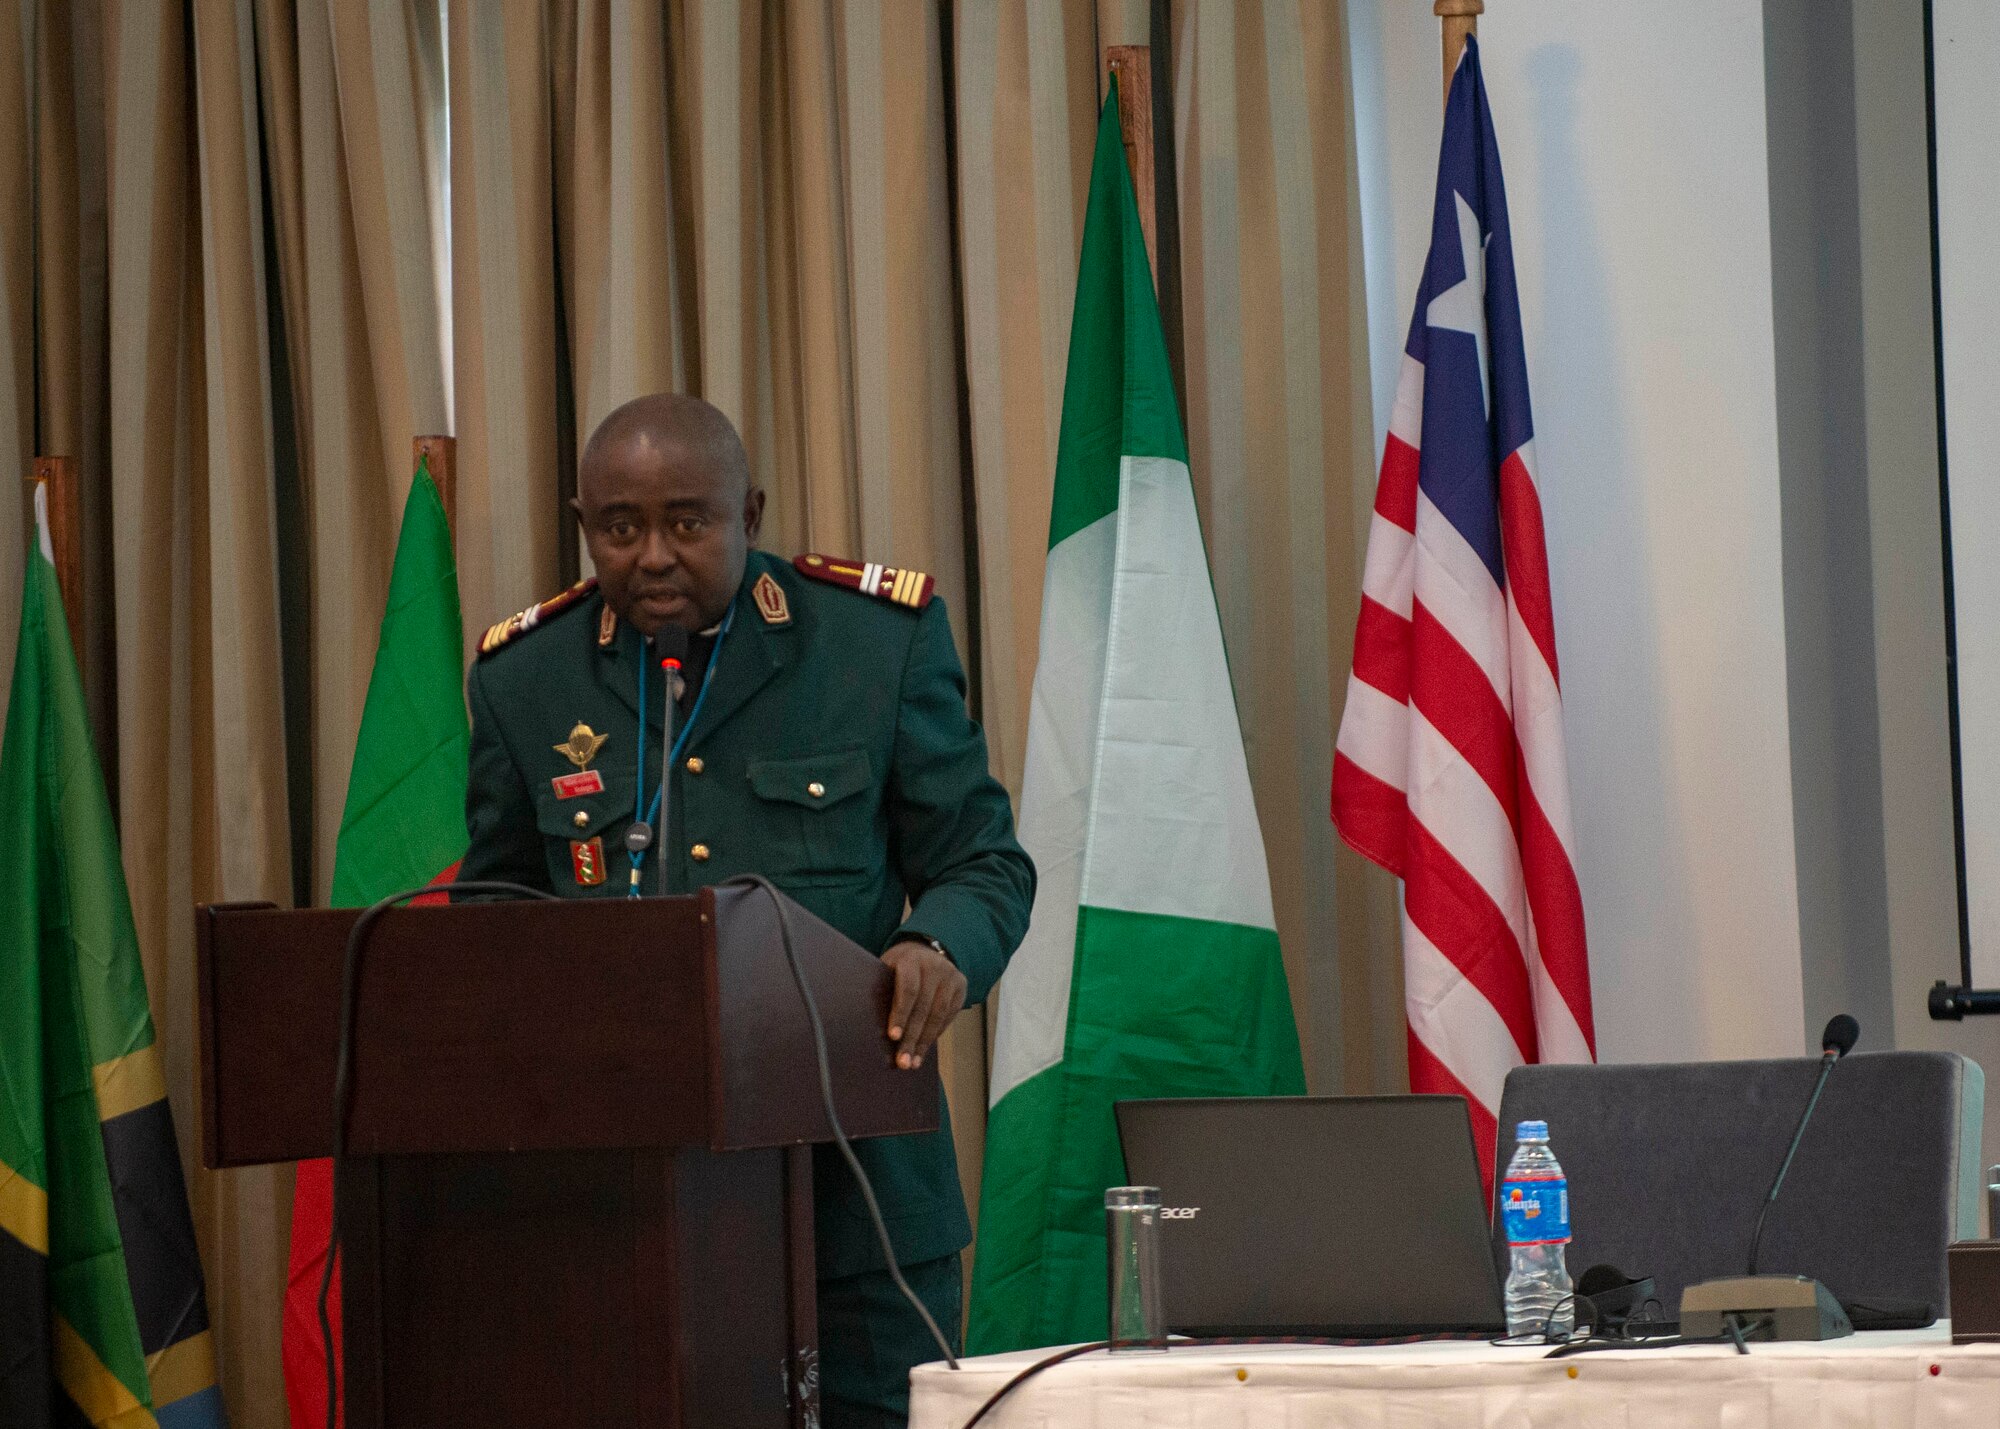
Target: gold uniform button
[582, 819]
[694, 764]
[816, 789]
[699, 853]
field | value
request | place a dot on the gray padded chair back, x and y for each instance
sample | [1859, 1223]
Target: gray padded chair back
[1669, 1164]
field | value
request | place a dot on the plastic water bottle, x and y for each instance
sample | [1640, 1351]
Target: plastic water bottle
[1534, 1208]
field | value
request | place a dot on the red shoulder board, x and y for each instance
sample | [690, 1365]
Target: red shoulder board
[517, 625]
[911, 588]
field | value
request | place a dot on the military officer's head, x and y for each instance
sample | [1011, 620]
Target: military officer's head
[668, 511]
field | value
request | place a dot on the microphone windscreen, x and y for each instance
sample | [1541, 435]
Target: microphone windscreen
[1842, 1032]
[1600, 1278]
[670, 642]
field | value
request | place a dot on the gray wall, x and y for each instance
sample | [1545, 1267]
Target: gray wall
[1863, 565]
[1823, 469]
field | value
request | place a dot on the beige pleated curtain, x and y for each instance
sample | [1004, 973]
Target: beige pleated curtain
[249, 248]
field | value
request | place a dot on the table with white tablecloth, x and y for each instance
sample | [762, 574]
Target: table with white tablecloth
[1882, 1380]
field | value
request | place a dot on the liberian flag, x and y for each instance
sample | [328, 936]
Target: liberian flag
[1151, 964]
[1449, 770]
[403, 826]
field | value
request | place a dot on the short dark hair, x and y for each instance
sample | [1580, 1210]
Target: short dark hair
[663, 418]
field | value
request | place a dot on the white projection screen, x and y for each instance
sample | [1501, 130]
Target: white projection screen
[1965, 57]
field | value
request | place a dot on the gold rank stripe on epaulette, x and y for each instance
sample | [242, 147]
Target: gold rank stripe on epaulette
[517, 625]
[911, 588]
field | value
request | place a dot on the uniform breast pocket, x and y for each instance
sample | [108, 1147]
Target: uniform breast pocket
[818, 812]
[583, 830]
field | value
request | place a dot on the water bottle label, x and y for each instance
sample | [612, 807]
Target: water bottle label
[1535, 1212]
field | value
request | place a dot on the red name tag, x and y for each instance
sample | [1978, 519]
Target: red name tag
[575, 786]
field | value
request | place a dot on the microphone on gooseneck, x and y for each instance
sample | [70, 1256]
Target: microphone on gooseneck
[668, 646]
[670, 640]
[1774, 1307]
[1840, 1036]
[1836, 1042]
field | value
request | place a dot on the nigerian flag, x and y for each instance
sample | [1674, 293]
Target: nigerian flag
[1151, 965]
[103, 1319]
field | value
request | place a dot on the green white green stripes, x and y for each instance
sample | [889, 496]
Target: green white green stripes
[1151, 965]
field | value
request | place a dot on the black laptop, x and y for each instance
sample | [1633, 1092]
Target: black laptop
[1350, 1217]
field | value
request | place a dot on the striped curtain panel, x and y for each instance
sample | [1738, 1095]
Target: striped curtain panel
[1280, 438]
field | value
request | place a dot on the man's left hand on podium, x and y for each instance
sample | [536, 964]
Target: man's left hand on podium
[930, 990]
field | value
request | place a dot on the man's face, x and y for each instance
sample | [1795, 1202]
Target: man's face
[668, 527]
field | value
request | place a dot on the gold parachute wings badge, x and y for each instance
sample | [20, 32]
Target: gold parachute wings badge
[582, 745]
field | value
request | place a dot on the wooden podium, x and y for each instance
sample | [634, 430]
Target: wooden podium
[578, 1188]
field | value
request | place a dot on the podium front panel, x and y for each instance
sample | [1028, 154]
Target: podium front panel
[594, 1289]
[570, 1025]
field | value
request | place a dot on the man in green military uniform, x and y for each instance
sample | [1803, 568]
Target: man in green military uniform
[823, 741]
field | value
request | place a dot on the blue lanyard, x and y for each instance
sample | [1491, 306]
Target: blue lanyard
[641, 813]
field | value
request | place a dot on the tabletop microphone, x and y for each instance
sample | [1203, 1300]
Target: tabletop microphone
[1836, 1042]
[1789, 1307]
[1842, 1032]
[669, 646]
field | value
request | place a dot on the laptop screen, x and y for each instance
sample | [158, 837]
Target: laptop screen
[1344, 1216]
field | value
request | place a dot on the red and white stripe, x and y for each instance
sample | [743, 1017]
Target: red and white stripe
[1449, 772]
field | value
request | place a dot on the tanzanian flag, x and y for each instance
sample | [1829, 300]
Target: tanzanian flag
[1151, 965]
[102, 1315]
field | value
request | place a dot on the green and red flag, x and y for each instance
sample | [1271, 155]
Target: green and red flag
[1151, 966]
[403, 826]
[103, 1318]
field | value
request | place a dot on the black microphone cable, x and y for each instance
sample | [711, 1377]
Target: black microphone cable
[1201, 1342]
[343, 1084]
[756, 880]
[1734, 1332]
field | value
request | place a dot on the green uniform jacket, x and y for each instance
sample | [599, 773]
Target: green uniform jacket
[855, 697]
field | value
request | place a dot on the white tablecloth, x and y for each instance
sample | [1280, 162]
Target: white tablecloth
[1868, 1381]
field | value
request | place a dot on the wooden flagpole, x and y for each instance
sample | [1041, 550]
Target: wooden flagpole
[442, 454]
[56, 475]
[1132, 66]
[1461, 18]
[1147, 133]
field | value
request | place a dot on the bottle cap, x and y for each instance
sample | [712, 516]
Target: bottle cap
[1531, 1131]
